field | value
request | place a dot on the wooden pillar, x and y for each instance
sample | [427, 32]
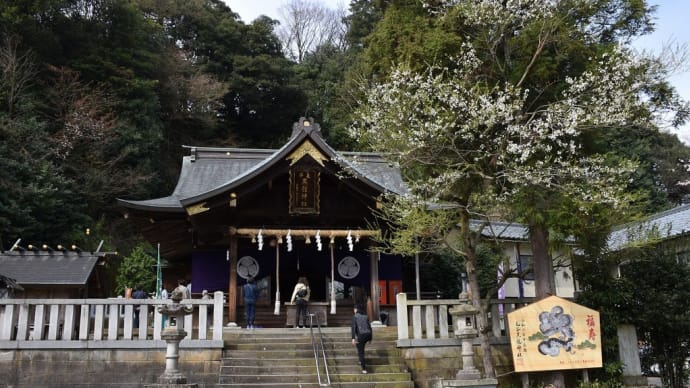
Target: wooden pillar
[276, 308]
[375, 294]
[232, 288]
[332, 291]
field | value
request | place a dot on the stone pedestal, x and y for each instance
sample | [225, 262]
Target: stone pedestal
[172, 375]
[464, 318]
[173, 334]
[464, 326]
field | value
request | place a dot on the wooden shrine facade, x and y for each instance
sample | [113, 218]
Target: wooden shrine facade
[276, 215]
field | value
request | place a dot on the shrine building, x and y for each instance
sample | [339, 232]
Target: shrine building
[304, 210]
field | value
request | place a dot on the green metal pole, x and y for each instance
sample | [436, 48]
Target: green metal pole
[159, 277]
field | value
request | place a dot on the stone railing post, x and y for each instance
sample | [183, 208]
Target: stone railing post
[403, 330]
[218, 316]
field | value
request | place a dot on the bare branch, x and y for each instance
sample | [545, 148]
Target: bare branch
[306, 25]
[17, 70]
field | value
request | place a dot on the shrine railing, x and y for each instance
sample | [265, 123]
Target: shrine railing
[105, 323]
[430, 324]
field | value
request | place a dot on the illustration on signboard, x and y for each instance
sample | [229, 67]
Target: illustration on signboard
[555, 334]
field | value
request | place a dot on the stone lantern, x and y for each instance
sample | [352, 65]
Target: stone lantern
[465, 318]
[465, 326]
[172, 335]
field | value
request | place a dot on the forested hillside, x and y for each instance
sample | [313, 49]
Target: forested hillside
[97, 98]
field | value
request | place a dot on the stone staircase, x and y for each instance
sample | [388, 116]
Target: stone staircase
[284, 358]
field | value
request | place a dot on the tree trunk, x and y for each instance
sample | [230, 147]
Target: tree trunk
[482, 323]
[541, 262]
[475, 295]
[544, 285]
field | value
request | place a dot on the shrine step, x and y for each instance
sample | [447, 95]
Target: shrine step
[265, 317]
[284, 358]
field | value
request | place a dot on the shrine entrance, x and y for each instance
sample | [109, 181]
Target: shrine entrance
[277, 215]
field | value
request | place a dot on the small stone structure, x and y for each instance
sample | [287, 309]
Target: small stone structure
[464, 318]
[173, 334]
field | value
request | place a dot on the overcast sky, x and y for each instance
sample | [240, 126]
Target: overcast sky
[251, 9]
[672, 18]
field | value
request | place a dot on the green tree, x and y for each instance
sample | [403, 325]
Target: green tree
[137, 269]
[37, 202]
[321, 74]
[658, 287]
[361, 21]
[115, 87]
[408, 35]
[651, 294]
[37, 199]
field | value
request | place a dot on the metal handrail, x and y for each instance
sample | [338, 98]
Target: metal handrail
[316, 346]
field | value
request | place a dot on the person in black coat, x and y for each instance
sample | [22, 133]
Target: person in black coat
[250, 291]
[138, 293]
[361, 333]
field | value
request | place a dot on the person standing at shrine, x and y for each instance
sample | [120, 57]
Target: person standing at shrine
[250, 292]
[300, 298]
[182, 289]
[138, 293]
[361, 334]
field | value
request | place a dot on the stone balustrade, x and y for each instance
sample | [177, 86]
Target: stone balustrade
[104, 323]
[431, 325]
[430, 321]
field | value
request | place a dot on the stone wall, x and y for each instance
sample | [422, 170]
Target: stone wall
[429, 364]
[112, 367]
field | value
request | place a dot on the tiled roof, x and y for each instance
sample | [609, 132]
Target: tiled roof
[48, 268]
[209, 170]
[661, 226]
[503, 230]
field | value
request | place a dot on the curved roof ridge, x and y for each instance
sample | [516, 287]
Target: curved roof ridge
[209, 171]
[246, 174]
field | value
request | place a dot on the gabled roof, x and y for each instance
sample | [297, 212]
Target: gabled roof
[48, 268]
[661, 226]
[207, 171]
[503, 230]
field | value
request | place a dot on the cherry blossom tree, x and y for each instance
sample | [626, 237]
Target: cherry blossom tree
[502, 133]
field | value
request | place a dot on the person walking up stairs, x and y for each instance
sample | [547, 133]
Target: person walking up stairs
[284, 358]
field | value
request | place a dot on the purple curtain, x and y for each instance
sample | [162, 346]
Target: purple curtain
[210, 271]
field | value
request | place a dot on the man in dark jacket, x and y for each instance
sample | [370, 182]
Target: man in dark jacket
[139, 293]
[250, 292]
[361, 333]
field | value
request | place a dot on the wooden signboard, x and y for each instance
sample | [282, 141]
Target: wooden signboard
[554, 334]
[304, 191]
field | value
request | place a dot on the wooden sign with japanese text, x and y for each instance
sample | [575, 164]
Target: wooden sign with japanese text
[304, 191]
[554, 334]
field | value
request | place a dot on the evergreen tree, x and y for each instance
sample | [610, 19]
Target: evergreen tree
[136, 269]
